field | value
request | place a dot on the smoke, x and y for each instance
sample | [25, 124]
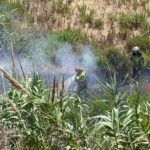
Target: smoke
[39, 59]
[67, 57]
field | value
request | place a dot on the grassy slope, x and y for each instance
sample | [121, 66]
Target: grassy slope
[114, 120]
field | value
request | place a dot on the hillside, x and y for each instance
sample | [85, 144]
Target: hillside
[49, 49]
[100, 19]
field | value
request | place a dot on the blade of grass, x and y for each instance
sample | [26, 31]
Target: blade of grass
[23, 73]
[53, 90]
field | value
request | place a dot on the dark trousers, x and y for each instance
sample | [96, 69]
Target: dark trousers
[136, 70]
[81, 87]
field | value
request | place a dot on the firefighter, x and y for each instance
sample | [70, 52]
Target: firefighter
[81, 79]
[137, 61]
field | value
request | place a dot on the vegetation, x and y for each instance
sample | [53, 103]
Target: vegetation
[112, 17]
[117, 60]
[72, 36]
[142, 41]
[98, 23]
[131, 21]
[34, 116]
[86, 16]
[18, 9]
[61, 7]
[40, 120]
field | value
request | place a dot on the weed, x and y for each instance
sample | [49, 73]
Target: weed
[61, 7]
[98, 23]
[146, 28]
[67, 122]
[86, 15]
[118, 60]
[112, 17]
[131, 21]
[72, 36]
[142, 41]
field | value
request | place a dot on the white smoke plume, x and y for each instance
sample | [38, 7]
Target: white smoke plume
[39, 59]
[66, 57]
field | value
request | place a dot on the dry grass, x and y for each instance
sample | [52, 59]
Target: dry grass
[13, 81]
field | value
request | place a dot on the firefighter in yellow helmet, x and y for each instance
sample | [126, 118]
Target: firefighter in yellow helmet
[81, 79]
[137, 61]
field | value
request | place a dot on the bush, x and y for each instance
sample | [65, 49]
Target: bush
[72, 36]
[20, 9]
[146, 60]
[86, 16]
[60, 7]
[40, 120]
[82, 9]
[130, 21]
[6, 21]
[111, 17]
[98, 23]
[146, 28]
[118, 60]
[142, 41]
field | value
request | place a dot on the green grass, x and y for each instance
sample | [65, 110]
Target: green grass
[45, 121]
[98, 23]
[117, 60]
[142, 41]
[61, 7]
[72, 36]
[131, 21]
[17, 8]
[86, 15]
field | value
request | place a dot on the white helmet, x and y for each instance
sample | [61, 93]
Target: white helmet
[136, 49]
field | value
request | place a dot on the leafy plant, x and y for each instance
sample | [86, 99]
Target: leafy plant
[111, 17]
[86, 16]
[72, 36]
[60, 7]
[131, 21]
[17, 8]
[146, 28]
[142, 41]
[118, 60]
[98, 23]
[41, 120]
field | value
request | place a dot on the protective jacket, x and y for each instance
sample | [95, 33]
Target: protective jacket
[137, 59]
[81, 79]
[137, 62]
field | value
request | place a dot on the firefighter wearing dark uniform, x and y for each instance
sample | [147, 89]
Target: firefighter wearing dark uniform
[137, 61]
[81, 79]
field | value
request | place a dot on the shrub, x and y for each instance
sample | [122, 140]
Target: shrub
[60, 7]
[98, 23]
[118, 60]
[82, 9]
[111, 17]
[142, 41]
[20, 8]
[86, 15]
[6, 21]
[130, 21]
[146, 28]
[146, 60]
[40, 120]
[72, 36]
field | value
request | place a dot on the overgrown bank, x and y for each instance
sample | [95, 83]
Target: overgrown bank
[17, 27]
[43, 118]
[38, 119]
